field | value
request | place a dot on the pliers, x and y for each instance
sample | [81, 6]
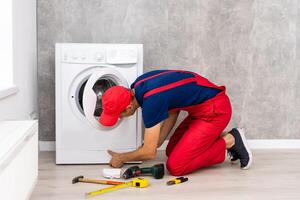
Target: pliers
[177, 180]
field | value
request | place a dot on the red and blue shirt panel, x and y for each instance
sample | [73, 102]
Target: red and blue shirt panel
[156, 106]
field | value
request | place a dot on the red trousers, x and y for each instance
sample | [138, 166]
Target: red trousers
[197, 142]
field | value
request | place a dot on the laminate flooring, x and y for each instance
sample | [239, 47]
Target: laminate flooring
[275, 174]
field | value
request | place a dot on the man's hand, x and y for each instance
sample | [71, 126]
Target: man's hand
[116, 160]
[145, 152]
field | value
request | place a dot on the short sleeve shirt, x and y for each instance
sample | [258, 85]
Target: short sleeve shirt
[155, 107]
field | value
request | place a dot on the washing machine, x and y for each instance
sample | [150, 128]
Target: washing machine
[83, 73]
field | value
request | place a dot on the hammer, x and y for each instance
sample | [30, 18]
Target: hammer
[86, 180]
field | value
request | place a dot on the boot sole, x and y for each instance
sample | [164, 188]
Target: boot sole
[242, 133]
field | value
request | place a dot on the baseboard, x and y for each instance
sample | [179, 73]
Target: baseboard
[265, 144]
[254, 144]
[274, 144]
[47, 145]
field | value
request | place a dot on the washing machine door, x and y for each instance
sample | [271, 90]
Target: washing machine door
[100, 81]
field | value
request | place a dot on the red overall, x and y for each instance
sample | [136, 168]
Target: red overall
[197, 143]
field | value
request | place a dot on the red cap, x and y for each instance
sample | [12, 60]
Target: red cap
[114, 101]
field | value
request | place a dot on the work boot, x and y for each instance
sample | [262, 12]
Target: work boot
[232, 156]
[240, 150]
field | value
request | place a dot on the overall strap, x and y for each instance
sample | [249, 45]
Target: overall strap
[170, 86]
[162, 73]
[197, 78]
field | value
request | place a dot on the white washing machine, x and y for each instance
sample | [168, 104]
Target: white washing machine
[83, 73]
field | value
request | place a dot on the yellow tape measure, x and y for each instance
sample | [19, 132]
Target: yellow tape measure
[138, 182]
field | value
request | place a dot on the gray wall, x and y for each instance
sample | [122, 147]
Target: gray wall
[249, 46]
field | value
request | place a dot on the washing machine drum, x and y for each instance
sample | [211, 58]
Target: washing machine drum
[99, 88]
[92, 90]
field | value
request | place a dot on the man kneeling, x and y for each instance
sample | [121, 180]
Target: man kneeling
[198, 141]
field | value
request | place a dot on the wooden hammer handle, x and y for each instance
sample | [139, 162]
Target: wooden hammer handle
[106, 182]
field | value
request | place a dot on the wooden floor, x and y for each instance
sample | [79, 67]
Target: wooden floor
[275, 174]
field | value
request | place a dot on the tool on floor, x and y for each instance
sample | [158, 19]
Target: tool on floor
[111, 173]
[137, 182]
[157, 171]
[178, 180]
[86, 180]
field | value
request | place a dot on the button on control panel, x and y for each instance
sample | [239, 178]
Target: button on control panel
[99, 56]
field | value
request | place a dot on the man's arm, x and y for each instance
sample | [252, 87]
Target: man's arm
[148, 150]
[167, 127]
[145, 152]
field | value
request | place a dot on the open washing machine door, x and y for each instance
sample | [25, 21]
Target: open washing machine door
[99, 81]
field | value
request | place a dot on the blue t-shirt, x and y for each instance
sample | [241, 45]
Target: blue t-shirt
[155, 107]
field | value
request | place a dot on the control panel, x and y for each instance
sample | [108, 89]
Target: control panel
[109, 54]
[84, 57]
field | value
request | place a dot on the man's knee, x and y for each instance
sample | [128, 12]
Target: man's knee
[169, 150]
[175, 167]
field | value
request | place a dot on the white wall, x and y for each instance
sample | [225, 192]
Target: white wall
[23, 103]
[6, 75]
